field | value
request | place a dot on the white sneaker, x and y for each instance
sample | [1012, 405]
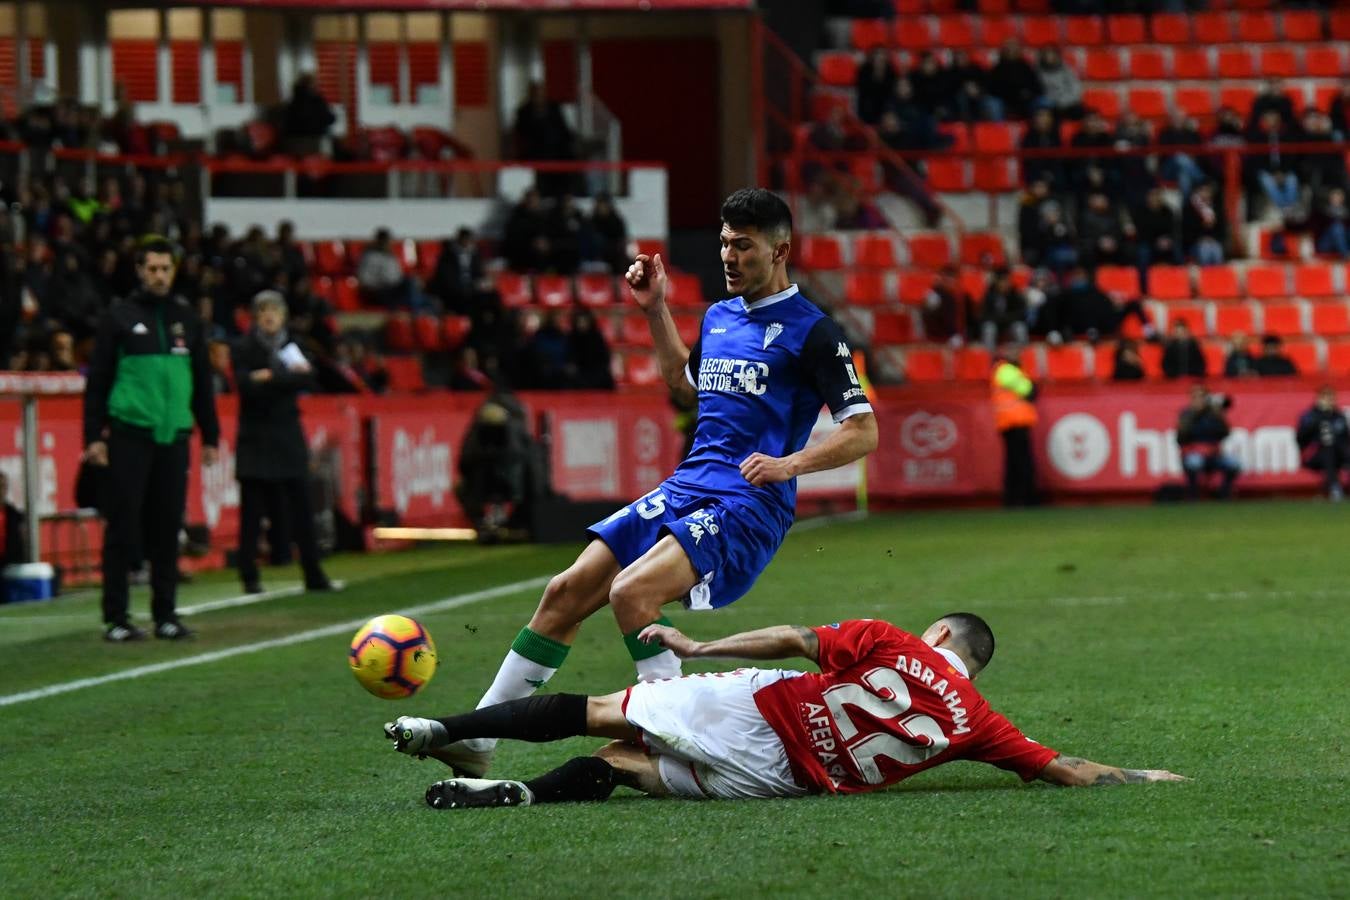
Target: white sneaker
[416, 737]
[465, 793]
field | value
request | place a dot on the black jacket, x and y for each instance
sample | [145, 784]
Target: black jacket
[271, 444]
[1323, 428]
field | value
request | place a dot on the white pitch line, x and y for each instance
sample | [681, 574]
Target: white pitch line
[815, 522]
[258, 646]
[293, 590]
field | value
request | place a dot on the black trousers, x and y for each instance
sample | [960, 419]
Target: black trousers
[1019, 469]
[1329, 460]
[144, 501]
[277, 498]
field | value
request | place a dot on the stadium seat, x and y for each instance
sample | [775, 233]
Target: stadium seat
[553, 290]
[874, 251]
[1083, 31]
[995, 137]
[1287, 319]
[1324, 62]
[1212, 28]
[1103, 100]
[1041, 31]
[405, 373]
[925, 364]
[1126, 29]
[688, 326]
[641, 370]
[428, 255]
[1169, 282]
[427, 333]
[1331, 318]
[1256, 27]
[1148, 103]
[1218, 283]
[635, 332]
[994, 30]
[595, 290]
[959, 134]
[1230, 318]
[330, 257]
[929, 251]
[514, 289]
[948, 175]
[1103, 64]
[1170, 28]
[823, 103]
[1301, 26]
[957, 32]
[974, 280]
[892, 328]
[912, 286]
[1031, 361]
[914, 33]
[1148, 63]
[1314, 280]
[1339, 22]
[454, 330]
[1195, 315]
[354, 247]
[684, 290]
[996, 176]
[1215, 353]
[346, 294]
[1338, 358]
[1236, 62]
[1067, 363]
[1240, 98]
[324, 288]
[1266, 281]
[1194, 101]
[865, 288]
[983, 249]
[1196, 63]
[971, 364]
[1278, 62]
[1122, 281]
[866, 173]
[821, 252]
[1305, 354]
[838, 69]
[865, 34]
[1104, 361]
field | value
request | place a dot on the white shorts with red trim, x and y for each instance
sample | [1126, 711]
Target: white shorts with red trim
[709, 737]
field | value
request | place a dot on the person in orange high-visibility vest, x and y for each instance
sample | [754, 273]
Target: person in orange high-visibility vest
[1014, 416]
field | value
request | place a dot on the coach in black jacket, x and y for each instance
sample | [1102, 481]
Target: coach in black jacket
[272, 456]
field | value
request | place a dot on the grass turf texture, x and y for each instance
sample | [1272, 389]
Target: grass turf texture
[1201, 639]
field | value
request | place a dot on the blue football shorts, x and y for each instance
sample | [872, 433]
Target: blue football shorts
[729, 540]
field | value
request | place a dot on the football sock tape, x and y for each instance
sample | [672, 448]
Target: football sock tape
[639, 650]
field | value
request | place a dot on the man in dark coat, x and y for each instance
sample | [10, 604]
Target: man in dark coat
[272, 457]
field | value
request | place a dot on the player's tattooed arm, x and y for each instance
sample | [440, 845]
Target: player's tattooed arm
[1072, 771]
[778, 642]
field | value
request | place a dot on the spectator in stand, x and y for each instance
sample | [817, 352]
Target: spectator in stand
[458, 277]
[222, 372]
[1063, 92]
[542, 133]
[858, 213]
[1203, 229]
[525, 242]
[1272, 361]
[1201, 429]
[1031, 204]
[588, 356]
[382, 279]
[1338, 111]
[1320, 171]
[1128, 364]
[1272, 98]
[1268, 134]
[307, 118]
[1014, 81]
[970, 85]
[905, 179]
[1102, 232]
[1324, 442]
[1003, 312]
[932, 86]
[544, 357]
[72, 298]
[465, 375]
[1043, 134]
[288, 255]
[1094, 135]
[1283, 193]
[1182, 357]
[1183, 168]
[1132, 172]
[815, 210]
[1155, 227]
[1080, 309]
[609, 234]
[566, 235]
[916, 123]
[61, 352]
[1332, 225]
[1240, 363]
[876, 83]
[945, 308]
[1058, 242]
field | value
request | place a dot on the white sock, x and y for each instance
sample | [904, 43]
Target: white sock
[663, 665]
[518, 677]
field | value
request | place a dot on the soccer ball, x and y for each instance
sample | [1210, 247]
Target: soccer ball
[392, 656]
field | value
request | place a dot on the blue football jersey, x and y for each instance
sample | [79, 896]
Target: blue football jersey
[762, 371]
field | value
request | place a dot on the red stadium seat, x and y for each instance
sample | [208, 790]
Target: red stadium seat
[992, 7]
[914, 33]
[1236, 62]
[553, 290]
[1230, 318]
[1257, 27]
[1340, 25]
[1314, 280]
[428, 254]
[959, 134]
[354, 248]
[925, 364]
[514, 289]
[957, 32]
[875, 251]
[983, 249]
[1148, 63]
[1240, 98]
[1169, 282]
[865, 288]
[821, 252]
[869, 33]
[1212, 28]
[398, 333]
[642, 370]
[684, 290]
[1067, 363]
[405, 373]
[838, 69]
[1338, 358]
[1287, 319]
[427, 331]
[949, 175]
[1041, 31]
[996, 176]
[1104, 100]
[1170, 28]
[971, 364]
[1128, 29]
[1218, 283]
[1193, 314]
[997, 29]
[1215, 354]
[688, 326]
[346, 294]
[974, 281]
[892, 328]
[1331, 318]
[913, 286]
[635, 332]
[1103, 64]
[1326, 61]
[454, 330]
[1198, 102]
[1148, 103]
[1123, 281]
[595, 290]
[1083, 31]
[1278, 62]
[823, 103]
[930, 251]
[330, 257]
[995, 137]
[1301, 27]
[1191, 62]
[1305, 354]
[1264, 282]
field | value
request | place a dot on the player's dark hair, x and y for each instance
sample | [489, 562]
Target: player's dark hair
[153, 243]
[974, 636]
[759, 209]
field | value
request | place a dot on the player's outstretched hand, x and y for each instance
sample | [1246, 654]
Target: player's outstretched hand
[759, 469]
[1150, 775]
[671, 638]
[646, 278]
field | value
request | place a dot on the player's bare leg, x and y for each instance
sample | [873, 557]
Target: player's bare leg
[662, 574]
[634, 768]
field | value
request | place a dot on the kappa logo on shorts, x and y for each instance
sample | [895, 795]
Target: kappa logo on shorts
[705, 523]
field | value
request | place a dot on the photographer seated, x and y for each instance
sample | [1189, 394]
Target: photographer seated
[1200, 432]
[1324, 442]
[494, 466]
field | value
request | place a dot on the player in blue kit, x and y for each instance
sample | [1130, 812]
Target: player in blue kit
[765, 362]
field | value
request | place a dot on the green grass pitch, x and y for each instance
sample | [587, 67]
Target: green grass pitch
[1209, 640]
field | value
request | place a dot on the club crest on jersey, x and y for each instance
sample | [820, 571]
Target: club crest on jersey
[771, 333]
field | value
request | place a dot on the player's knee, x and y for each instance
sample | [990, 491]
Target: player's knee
[626, 595]
[562, 603]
